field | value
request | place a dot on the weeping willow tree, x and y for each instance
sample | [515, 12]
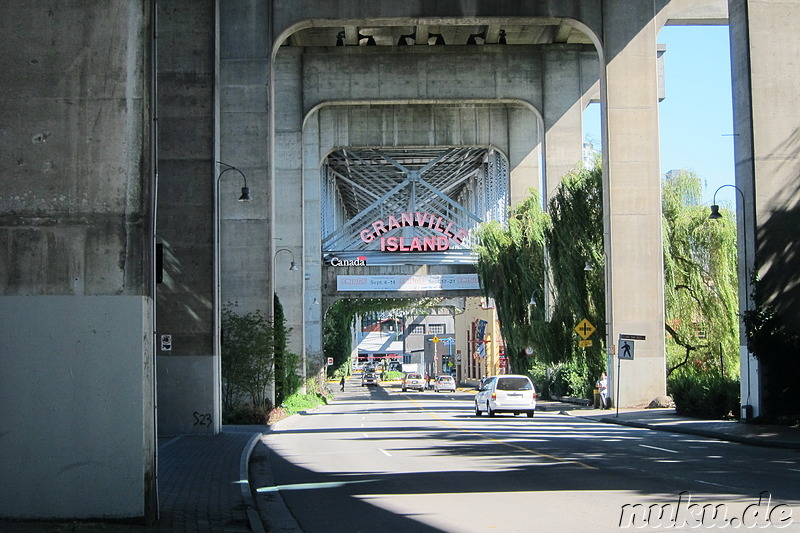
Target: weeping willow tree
[700, 280]
[575, 241]
[511, 270]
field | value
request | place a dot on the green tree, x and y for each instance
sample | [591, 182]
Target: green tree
[287, 380]
[247, 357]
[700, 280]
[574, 240]
[511, 269]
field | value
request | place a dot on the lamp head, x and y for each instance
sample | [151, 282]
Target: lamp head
[245, 197]
[293, 266]
[715, 214]
[588, 267]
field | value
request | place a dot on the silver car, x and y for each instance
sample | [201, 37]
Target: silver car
[506, 394]
[444, 383]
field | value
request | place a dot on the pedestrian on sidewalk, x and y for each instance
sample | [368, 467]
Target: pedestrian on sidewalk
[341, 384]
[602, 386]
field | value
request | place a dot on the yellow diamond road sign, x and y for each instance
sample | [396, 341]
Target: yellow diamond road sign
[584, 329]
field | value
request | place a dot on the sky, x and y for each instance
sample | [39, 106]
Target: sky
[696, 117]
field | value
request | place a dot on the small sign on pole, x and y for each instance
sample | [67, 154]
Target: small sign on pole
[626, 349]
[330, 361]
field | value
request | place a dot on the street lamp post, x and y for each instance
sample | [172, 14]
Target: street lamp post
[245, 197]
[747, 408]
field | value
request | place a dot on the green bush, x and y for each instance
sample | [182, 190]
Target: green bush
[392, 376]
[247, 358]
[704, 394]
[302, 402]
[246, 414]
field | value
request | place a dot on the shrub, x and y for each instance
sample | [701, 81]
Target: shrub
[247, 357]
[393, 376]
[247, 414]
[704, 394]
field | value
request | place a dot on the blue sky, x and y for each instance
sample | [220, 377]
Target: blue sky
[696, 119]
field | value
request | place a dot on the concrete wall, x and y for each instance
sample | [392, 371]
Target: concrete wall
[77, 406]
[78, 437]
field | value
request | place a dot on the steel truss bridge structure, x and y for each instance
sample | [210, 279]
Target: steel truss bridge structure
[427, 192]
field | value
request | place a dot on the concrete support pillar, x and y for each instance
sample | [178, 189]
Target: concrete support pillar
[245, 239]
[289, 205]
[634, 258]
[186, 179]
[765, 36]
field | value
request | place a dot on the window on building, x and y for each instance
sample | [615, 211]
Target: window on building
[436, 329]
[417, 329]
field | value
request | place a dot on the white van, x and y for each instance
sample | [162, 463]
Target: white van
[509, 393]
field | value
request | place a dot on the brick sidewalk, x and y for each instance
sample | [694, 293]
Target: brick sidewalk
[200, 489]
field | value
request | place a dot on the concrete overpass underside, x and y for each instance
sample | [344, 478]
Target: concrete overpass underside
[122, 238]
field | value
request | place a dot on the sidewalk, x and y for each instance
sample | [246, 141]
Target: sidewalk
[667, 420]
[202, 485]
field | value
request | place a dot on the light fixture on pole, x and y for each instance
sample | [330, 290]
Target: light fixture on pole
[747, 409]
[245, 197]
[588, 267]
[292, 265]
[716, 215]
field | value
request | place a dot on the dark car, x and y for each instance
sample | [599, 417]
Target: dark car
[369, 378]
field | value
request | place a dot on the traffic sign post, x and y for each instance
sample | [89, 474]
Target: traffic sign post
[625, 351]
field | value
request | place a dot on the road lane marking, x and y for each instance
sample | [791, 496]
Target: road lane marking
[308, 486]
[657, 448]
[384, 452]
[521, 448]
[365, 435]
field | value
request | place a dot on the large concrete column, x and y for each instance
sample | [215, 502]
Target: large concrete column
[288, 205]
[765, 37]
[244, 241]
[76, 330]
[188, 368]
[634, 262]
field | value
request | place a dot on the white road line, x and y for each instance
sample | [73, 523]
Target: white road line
[794, 470]
[384, 452]
[657, 448]
[709, 483]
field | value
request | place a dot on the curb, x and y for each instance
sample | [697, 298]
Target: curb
[269, 510]
[247, 494]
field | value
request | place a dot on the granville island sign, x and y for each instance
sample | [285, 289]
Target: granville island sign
[425, 243]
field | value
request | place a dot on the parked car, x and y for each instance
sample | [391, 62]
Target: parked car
[506, 394]
[413, 381]
[369, 378]
[444, 383]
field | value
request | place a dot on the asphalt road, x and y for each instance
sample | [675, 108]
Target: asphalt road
[378, 459]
